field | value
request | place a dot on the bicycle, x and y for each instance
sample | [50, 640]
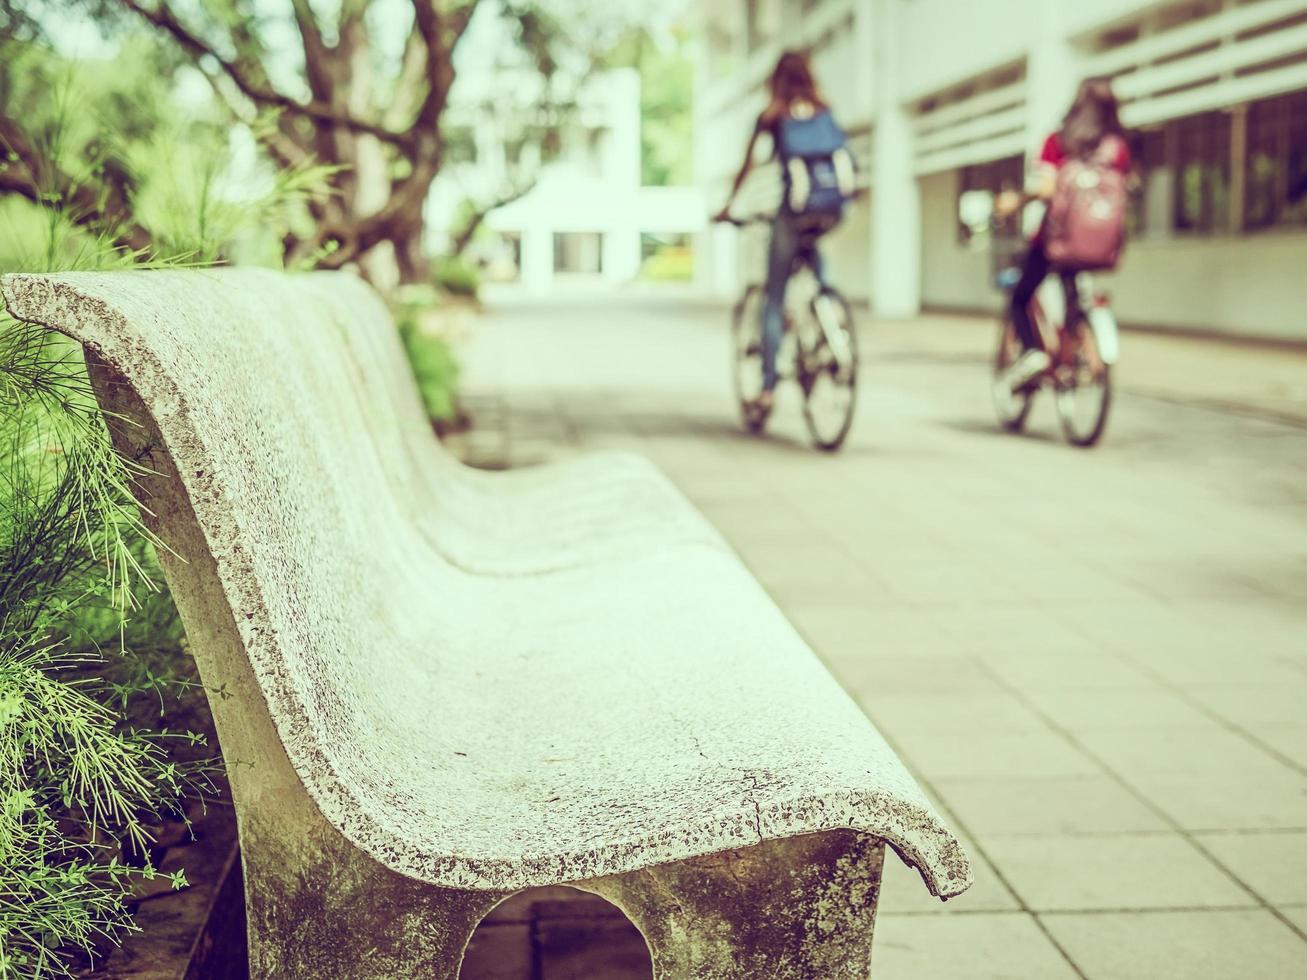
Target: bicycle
[819, 348]
[1080, 374]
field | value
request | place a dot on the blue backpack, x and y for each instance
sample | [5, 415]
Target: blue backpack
[816, 167]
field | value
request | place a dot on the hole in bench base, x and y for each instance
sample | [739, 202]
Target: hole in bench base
[556, 933]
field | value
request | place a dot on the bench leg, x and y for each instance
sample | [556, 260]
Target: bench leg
[316, 906]
[343, 915]
[795, 909]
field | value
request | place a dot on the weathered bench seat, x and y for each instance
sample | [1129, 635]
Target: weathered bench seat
[410, 741]
[601, 505]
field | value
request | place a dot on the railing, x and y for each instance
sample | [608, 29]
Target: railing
[984, 126]
[1206, 64]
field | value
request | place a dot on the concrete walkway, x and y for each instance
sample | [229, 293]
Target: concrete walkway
[1095, 661]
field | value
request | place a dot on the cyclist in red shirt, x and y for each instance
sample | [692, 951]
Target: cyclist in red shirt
[1092, 119]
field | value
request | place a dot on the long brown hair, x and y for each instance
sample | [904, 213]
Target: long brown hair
[791, 81]
[1093, 116]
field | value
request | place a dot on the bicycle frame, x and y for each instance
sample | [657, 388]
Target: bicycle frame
[1048, 304]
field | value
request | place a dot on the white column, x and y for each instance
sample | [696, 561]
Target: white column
[896, 198]
[724, 261]
[621, 256]
[1054, 67]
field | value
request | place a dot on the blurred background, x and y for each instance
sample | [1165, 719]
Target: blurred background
[1094, 662]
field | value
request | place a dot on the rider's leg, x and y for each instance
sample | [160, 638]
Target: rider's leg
[780, 257]
[1033, 270]
[1074, 312]
[818, 266]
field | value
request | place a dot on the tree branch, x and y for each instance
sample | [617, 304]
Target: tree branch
[106, 208]
[317, 55]
[164, 19]
[463, 239]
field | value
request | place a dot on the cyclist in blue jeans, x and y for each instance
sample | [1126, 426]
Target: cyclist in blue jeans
[796, 114]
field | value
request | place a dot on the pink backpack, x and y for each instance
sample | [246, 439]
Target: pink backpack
[1085, 227]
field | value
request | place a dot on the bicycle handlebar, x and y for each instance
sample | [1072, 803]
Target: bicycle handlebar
[752, 219]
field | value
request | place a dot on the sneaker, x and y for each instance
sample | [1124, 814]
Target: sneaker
[1027, 367]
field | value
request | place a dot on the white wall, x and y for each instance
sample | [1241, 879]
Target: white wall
[954, 275]
[845, 251]
[1255, 284]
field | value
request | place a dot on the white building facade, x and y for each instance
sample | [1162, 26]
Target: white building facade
[946, 99]
[585, 217]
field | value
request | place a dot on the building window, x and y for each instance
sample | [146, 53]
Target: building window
[978, 185]
[1275, 192]
[578, 252]
[1200, 159]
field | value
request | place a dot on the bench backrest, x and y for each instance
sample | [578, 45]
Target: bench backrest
[253, 386]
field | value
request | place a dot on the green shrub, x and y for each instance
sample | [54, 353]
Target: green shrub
[94, 677]
[457, 276]
[670, 263]
[430, 355]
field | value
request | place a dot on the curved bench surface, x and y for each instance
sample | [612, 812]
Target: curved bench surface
[473, 731]
[541, 518]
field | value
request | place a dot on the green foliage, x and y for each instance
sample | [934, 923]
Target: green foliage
[672, 263]
[456, 276]
[429, 353]
[666, 93]
[94, 679]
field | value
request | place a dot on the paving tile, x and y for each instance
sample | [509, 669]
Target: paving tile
[985, 946]
[1112, 872]
[1284, 704]
[871, 677]
[1055, 805]
[966, 712]
[1298, 916]
[582, 949]
[1098, 672]
[948, 578]
[1209, 750]
[1205, 779]
[498, 951]
[857, 628]
[1129, 707]
[978, 756]
[1207, 945]
[1273, 864]
[1229, 799]
[1022, 630]
[1289, 741]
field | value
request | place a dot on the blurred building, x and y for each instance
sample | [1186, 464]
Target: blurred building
[945, 98]
[586, 218]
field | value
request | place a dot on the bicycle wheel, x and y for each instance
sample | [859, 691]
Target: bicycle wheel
[1083, 390]
[1013, 407]
[746, 357]
[828, 370]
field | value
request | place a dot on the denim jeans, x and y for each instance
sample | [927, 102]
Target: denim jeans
[787, 242]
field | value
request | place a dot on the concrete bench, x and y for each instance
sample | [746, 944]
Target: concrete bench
[417, 725]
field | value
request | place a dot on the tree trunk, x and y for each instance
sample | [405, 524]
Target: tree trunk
[414, 266]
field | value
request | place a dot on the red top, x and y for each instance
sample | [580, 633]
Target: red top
[1054, 153]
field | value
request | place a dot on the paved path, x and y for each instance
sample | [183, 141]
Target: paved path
[1096, 662]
